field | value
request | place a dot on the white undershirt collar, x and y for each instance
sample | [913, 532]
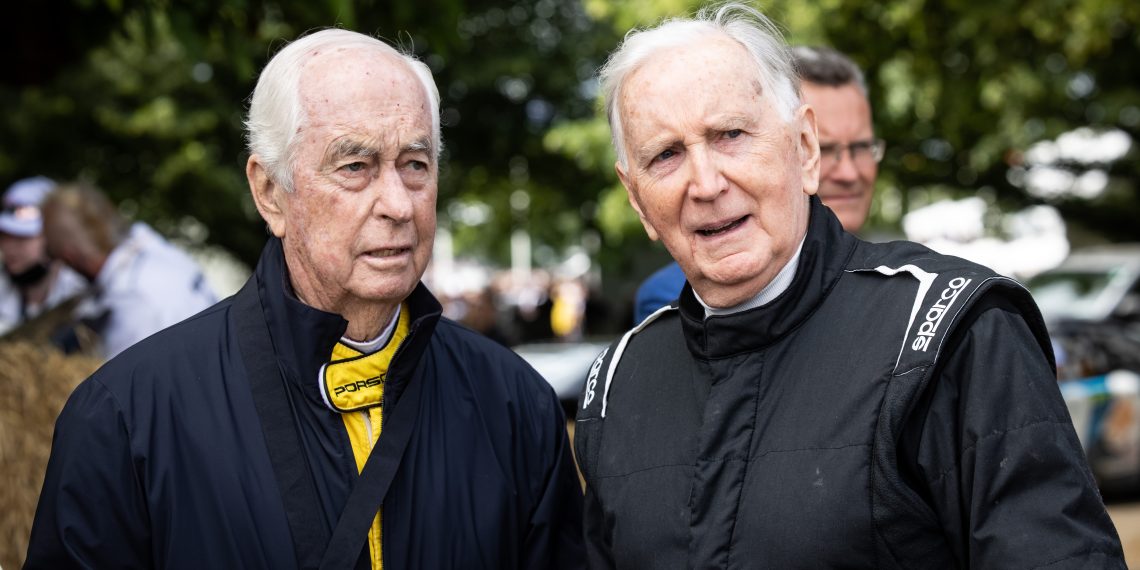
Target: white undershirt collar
[370, 346]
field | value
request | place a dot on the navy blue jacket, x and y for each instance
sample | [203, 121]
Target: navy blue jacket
[160, 459]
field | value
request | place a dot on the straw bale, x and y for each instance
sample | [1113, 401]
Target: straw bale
[35, 381]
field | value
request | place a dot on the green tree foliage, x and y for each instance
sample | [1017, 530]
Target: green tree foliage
[146, 99]
[961, 90]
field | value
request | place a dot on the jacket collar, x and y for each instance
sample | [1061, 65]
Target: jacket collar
[825, 252]
[303, 336]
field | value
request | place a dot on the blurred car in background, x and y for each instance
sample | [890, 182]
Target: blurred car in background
[564, 365]
[1104, 410]
[1091, 304]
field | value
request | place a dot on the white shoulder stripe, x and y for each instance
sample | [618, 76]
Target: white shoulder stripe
[621, 348]
[925, 280]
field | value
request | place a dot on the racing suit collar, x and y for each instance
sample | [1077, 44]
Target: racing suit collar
[825, 252]
[303, 336]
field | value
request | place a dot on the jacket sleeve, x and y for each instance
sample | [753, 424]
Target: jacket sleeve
[998, 455]
[587, 436]
[554, 536]
[92, 511]
[599, 554]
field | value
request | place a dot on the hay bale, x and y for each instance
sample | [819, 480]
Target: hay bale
[35, 382]
[57, 326]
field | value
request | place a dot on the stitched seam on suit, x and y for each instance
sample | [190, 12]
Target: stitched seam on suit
[820, 448]
[773, 451]
[748, 459]
[744, 475]
[938, 478]
[1077, 555]
[636, 471]
[916, 368]
[122, 413]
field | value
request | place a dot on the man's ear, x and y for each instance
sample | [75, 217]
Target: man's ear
[268, 196]
[632, 195]
[808, 149]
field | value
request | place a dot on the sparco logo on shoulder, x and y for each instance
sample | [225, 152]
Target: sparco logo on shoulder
[592, 378]
[934, 314]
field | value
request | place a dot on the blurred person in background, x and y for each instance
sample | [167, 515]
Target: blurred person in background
[849, 152]
[141, 283]
[534, 303]
[568, 309]
[849, 156]
[31, 282]
[482, 315]
[326, 415]
[813, 400]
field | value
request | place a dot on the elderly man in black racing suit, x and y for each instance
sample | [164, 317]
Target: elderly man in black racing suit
[813, 400]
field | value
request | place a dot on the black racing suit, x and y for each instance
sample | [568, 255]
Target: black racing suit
[894, 408]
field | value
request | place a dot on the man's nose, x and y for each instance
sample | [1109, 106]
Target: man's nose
[393, 199]
[706, 181]
[845, 169]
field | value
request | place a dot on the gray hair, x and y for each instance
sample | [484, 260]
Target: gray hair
[827, 66]
[275, 110]
[743, 24]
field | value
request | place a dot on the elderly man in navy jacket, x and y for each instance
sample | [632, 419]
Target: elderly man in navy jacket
[326, 415]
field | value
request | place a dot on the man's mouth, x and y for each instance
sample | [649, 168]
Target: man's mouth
[389, 252]
[708, 232]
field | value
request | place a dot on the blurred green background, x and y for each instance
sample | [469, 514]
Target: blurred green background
[146, 100]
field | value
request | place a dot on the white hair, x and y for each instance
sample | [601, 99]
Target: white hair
[275, 110]
[743, 24]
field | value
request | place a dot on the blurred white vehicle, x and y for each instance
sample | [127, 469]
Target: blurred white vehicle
[563, 364]
[1091, 285]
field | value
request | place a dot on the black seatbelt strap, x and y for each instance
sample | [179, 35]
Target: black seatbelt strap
[311, 541]
[274, 408]
[351, 533]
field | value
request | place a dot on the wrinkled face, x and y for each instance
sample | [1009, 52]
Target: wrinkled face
[358, 228]
[843, 117]
[21, 253]
[714, 171]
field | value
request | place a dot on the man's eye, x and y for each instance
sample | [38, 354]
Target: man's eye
[417, 165]
[354, 166]
[665, 155]
[733, 133]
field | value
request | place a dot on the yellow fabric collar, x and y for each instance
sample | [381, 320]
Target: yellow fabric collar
[352, 381]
